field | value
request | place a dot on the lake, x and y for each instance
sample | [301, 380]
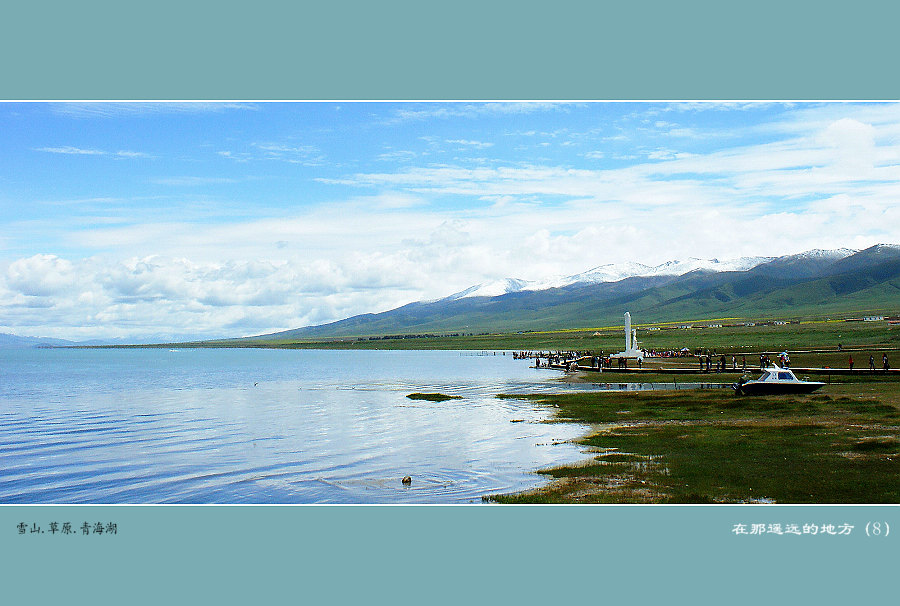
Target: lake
[271, 426]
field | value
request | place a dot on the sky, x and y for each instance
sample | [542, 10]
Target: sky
[169, 221]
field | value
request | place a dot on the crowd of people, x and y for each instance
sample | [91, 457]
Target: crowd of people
[708, 361]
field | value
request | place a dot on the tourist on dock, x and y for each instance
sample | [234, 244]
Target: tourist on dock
[723, 361]
[884, 362]
[871, 362]
[733, 363]
[850, 362]
[744, 362]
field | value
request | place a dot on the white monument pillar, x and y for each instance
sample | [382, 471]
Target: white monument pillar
[627, 331]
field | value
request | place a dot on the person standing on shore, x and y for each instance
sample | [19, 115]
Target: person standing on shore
[884, 361]
[850, 361]
[871, 362]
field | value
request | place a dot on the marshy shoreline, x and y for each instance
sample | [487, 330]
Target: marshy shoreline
[837, 446]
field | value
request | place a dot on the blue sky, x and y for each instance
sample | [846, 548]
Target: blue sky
[181, 220]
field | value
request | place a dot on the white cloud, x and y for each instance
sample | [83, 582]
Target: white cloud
[132, 154]
[470, 110]
[469, 143]
[78, 151]
[40, 275]
[72, 151]
[192, 181]
[397, 156]
[147, 108]
[306, 155]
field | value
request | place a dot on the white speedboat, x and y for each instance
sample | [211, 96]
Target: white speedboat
[775, 380]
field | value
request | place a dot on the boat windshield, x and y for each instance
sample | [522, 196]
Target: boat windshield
[785, 376]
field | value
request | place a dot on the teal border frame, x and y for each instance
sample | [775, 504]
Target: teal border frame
[470, 49]
[403, 50]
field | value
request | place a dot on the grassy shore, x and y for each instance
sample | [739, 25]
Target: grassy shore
[841, 445]
[712, 334]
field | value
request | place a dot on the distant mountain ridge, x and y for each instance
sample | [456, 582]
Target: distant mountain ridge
[809, 283]
[621, 271]
[8, 340]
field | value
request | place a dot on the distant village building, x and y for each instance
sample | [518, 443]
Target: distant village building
[872, 318]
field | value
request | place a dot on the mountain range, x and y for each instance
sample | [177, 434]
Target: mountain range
[10, 341]
[815, 282]
[621, 271]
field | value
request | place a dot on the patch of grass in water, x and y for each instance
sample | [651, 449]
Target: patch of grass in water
[432, 397]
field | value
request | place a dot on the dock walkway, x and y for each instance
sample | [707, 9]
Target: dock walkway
[893, 372]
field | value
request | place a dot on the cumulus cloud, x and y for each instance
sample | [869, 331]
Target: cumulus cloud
[143, 296]
[40, 275]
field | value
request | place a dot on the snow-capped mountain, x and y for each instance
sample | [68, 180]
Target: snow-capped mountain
[836, 254]
[492, 289]
[620, 271]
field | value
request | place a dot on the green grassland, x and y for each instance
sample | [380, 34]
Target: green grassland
[805, 335]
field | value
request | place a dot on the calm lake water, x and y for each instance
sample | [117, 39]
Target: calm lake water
[270, 426]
